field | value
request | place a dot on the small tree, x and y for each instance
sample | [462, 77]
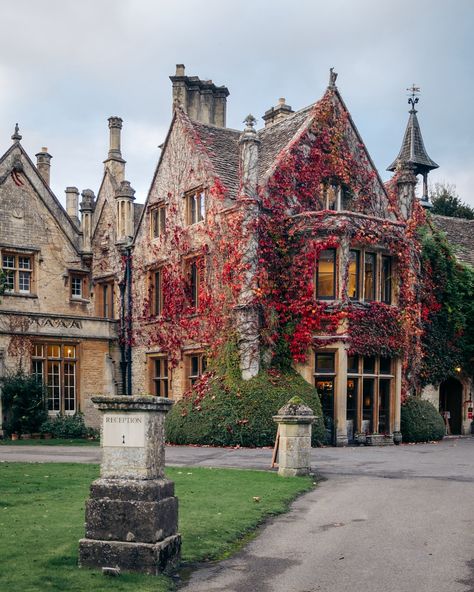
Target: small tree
[24, 403]
[446, 202]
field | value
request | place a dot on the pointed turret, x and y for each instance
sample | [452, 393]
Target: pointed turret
[413, 151]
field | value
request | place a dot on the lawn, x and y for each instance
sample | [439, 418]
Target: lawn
[42, 519]
[51, 442]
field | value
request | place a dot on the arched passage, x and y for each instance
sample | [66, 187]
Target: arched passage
[450, 400]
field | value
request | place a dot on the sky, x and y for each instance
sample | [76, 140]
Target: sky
[67, 65]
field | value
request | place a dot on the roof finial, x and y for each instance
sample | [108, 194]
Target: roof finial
[413, 100]
[16, 137]
[332, 78]
[250, 122]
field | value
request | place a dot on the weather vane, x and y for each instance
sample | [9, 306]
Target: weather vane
[414, 90]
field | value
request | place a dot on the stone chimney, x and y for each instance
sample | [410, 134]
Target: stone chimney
[43, 164]
[406, 184]
[87, 207]
[115, 164]
[202, 100]
[124, 198]
[72, 204]
[275, 114]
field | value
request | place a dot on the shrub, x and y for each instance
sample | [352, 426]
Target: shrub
[420, 421]
[67, 426]
[224, 410]
[24, 403]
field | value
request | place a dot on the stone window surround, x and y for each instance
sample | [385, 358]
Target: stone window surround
[155, 275]
[71, 277]
[159, 385]
[191, 374]
[157, 213]
[18, 270]
[195, 205]
[380, 256]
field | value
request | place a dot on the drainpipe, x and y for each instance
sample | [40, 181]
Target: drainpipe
[129, 321]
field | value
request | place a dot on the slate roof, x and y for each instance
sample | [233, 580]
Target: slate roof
[413, 150]
[460, 233]
[222, 146]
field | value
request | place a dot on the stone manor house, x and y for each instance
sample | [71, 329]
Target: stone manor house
[88, 304]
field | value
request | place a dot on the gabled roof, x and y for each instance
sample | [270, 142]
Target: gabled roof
[42, 189]
[413, 150]
[460, 233]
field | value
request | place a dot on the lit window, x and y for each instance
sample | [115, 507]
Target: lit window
[353, 275]
[18, 270]
[326, 275]
[56, 366]
[195, 207]
[158, 221]
[324, 381]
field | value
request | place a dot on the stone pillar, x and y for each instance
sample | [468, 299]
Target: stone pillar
[246, 313]
[294, 453]
[132, 513]
[340, 399]
[72, 204]
[124, 198]
[397, 402]
[87, 207]
[115, 164]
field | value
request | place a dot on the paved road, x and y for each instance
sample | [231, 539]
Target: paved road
[395, 519]
[386, 520]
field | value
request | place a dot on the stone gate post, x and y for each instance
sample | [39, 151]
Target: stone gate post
[132, 512]
[294, 421]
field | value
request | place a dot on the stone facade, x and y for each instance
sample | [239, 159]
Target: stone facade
[205, 197]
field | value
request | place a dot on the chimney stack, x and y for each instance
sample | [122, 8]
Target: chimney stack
[87, 207]
[202, 100]
[124, 196]
[72, 204]
[43, 164]
[275, 114]
[115, 164]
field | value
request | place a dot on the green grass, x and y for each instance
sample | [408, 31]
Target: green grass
[42, 519]
[52, 442]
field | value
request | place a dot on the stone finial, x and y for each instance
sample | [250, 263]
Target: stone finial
[125, 190]
[250, 122]
[332, 78]
[88, 200]
[16, 137]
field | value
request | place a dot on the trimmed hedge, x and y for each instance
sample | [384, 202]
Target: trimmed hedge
[420, 421]
[224, 410]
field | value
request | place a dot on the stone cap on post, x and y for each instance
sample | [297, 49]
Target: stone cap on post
[133, 403]
[295, 411]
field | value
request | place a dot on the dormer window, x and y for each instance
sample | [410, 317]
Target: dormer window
[195, 206]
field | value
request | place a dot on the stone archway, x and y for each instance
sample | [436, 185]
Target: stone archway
[450, 400]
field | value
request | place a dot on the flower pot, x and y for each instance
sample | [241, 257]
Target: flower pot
[15, 437]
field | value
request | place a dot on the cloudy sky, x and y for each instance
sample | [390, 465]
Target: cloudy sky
[67, 65]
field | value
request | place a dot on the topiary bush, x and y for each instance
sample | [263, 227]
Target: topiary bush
[420, 421]
[224, 410]
[23, 402]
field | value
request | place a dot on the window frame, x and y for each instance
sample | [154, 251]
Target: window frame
[334, 276]
[104, 294]
[158, 220]
[82, 277]
[159, 383]
[195, 206]
[157, 299]
[55, 366]
[190, 377]
[18, 272]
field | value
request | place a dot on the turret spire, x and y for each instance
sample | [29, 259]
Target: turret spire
[413, 151]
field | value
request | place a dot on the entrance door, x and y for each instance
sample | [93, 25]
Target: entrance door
[450, 400]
